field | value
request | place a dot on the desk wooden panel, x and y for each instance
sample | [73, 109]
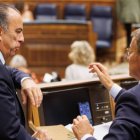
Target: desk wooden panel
[47, 44]
[98, 99]
[65, 87]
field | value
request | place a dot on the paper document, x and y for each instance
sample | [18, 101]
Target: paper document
[58, 132]
[99, 130]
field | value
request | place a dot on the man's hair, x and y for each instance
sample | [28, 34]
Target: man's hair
[136, 34]
[4, 15]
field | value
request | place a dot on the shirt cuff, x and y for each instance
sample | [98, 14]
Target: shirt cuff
[86, 136]
[115, 89]
[24, 79]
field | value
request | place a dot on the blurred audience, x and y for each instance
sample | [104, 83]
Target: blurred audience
[19, 62]
[81, 55]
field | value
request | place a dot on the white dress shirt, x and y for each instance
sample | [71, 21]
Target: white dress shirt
[115, 89]
[2, 58]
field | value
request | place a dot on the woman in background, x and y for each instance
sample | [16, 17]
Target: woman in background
[81, 55]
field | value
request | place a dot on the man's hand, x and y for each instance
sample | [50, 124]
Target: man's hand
[81, 126]
[102, 74]
[30, 89]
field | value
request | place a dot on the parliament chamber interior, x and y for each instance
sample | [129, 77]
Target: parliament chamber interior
[56, 24]
[48, 37]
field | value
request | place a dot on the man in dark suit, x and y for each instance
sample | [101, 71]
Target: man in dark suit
[11, 114]
[126, 125]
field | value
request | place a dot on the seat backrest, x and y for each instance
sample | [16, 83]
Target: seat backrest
[46, 11]
[101, 17]
[75, 12]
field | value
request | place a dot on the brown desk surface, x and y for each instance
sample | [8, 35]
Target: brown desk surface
[78, 82]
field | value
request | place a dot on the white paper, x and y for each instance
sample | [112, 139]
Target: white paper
[99, 130]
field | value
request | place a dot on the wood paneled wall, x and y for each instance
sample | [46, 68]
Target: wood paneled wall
[50, 34]
[47, 45]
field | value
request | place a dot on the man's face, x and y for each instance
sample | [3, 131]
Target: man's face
[10, 41]
[134, 60]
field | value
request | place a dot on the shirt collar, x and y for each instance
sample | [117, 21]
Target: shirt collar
[2, 58]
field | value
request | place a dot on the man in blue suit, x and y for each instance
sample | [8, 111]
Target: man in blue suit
[11, 114]
[126, 125]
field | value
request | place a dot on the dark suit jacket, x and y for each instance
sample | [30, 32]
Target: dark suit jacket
[11, 115]
[126, 125]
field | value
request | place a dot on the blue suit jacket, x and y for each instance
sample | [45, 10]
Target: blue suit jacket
[126, 125]
[11, 115]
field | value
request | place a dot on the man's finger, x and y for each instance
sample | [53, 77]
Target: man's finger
[30, 95]
[75, 121]
[79, 118]
[40, 96]
[84, 117]
[97, 70]
[35, 96]
[24, 97]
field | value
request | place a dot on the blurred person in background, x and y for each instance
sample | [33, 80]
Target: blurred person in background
[128, 12]
[81, 55]
[27, 15]
[19, 62]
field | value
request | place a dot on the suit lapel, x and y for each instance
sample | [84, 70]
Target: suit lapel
[6, 76]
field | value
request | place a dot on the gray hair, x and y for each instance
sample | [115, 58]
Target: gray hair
[4, 15]
[136, 34]
[18, 61]
[82, 53]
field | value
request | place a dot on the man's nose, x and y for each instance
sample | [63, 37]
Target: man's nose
[21, 38]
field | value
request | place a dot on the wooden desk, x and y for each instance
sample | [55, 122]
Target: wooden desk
[47, 44]
[61, 100]
[71, 92]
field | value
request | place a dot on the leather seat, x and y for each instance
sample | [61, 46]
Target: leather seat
[101, 17]
[46, 11]
[75, 12]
